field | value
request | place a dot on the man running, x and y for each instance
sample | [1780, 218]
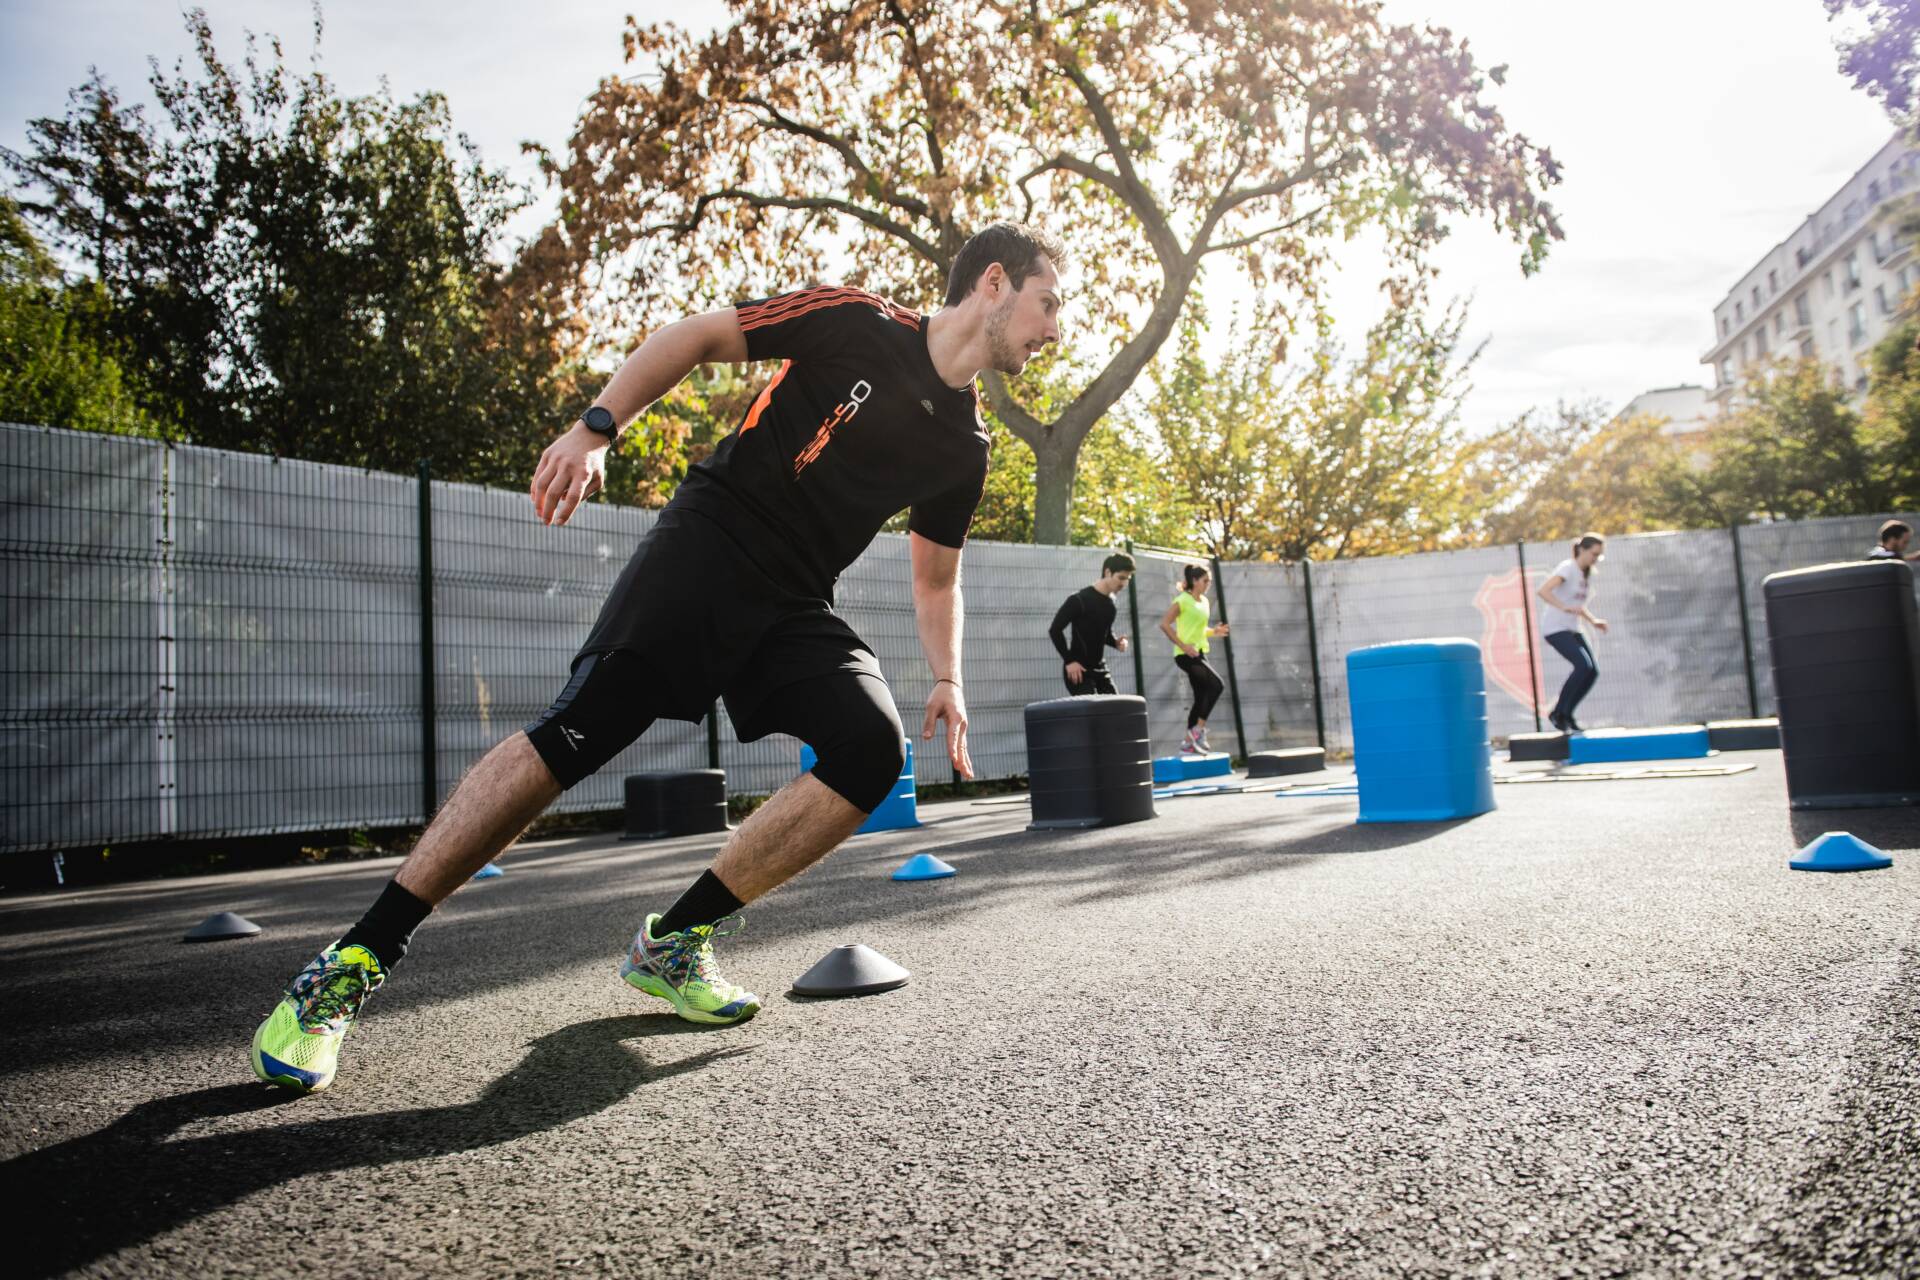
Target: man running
[1089, 612]
[872, 411]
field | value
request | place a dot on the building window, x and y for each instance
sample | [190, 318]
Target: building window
[1802, 310]
[1773, 283]
[1760, 343]
[1779, 323]
[1826, 278]
[1726, 371]
[1873, 191]
[1739, 313]
[1833, 334]
[1723, 320]
[1806, 348]
[1857, 323]
[1851, 269]
[1756, 299]
[1880, 297]
[1873, 243]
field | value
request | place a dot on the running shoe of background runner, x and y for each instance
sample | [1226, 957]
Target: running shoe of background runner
[679, 969]
[298, 1046]
[1190, 745]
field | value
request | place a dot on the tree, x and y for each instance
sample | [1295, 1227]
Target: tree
[302, 274]
[1337, 457]
[1883, 56]
[56, 367]
[1793, 448]
[1891, 417]
[1575, 471]
[873, 137]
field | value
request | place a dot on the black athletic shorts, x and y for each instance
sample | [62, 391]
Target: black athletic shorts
[693, 606]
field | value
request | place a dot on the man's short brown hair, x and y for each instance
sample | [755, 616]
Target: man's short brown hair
[1894, 529]
[1018, 249]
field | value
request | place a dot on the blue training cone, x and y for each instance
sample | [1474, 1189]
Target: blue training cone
[924, 866]
[489, 872]
[1840, 851]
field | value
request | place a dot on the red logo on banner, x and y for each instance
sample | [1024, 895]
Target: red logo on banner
[1503, 638]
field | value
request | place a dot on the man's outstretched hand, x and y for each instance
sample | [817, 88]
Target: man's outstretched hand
[572, 469]
[947, 704]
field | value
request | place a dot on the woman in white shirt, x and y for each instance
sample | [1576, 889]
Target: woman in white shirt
[1566, 592]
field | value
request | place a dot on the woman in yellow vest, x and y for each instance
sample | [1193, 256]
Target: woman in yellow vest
[1187, 622]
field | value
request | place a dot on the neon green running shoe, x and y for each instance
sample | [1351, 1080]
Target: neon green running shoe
[298, 1046]
[679, 969]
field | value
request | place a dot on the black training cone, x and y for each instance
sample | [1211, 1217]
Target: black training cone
[852, 970]
[223, 925]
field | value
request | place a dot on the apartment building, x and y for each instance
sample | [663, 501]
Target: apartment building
[1686, 408]
[1833, 288]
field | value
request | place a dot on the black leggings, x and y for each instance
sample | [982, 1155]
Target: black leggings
[847, 717]
[1573, 646]
[1207, 686]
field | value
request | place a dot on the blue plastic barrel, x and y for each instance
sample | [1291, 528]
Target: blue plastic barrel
[899, 811]
[1420, 743]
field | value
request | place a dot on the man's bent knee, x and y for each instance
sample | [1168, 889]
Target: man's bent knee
[596, 717]
[863, 762]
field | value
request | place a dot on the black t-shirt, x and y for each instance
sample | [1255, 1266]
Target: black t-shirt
[855, 427]
[1089, 611]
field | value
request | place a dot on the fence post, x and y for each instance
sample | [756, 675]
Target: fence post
[1226, 643]
[1526, 617]
[713, 736]
[1746, 623]
[429, 734]
[1313, 659]
[1133, 611]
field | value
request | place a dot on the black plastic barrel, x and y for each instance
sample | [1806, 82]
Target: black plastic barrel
[689, 803]
[1844, 641]
[1089, 762]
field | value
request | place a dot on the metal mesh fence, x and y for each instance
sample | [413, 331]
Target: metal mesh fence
[294, 605]
[208, 643]
[1475, 594]
[82, 708]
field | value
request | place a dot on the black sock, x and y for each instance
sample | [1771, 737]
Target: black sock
[706, 901]
[388, 924]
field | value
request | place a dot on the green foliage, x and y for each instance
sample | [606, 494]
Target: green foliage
[1121, 492]
[1793, 448]
[1574, 471]
[294, 272]
[1337, 457]
[56, 367]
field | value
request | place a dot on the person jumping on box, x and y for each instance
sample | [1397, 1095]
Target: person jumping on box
[1186, 624]
[1895, 536]
[1566, 592]
[871, 411]
[1089, 611]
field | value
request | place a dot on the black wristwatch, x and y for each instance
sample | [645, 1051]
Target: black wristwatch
[600, 422]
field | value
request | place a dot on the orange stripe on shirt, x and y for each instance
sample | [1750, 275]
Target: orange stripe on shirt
[796, 305]
[765, 398]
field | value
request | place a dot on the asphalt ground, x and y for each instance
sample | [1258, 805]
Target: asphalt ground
[1600, 1031]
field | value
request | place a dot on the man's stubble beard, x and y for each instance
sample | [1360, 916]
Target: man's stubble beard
[1003, 356]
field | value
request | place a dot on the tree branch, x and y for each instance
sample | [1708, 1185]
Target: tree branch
[1241, 243]
[844, 149]
[753, 199]
[1166, 246]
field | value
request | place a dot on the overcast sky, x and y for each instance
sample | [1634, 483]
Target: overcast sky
[1695, 135]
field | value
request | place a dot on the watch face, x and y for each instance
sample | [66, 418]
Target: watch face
[598, 419]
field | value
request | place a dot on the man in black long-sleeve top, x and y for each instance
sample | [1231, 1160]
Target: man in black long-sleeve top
[1089, 612]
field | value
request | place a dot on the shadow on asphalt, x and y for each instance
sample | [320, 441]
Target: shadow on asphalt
[134, 1180]
[581, 907]
[1886, 828]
